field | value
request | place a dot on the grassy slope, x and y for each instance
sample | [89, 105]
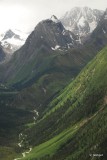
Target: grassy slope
[51, 72]
[56, 71]
[82, 104]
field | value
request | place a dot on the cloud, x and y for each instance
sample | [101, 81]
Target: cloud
[25, 14]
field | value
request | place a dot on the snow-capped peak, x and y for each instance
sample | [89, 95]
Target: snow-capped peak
[12, 40]
[54, 19]
[81, 20]
[22, 35]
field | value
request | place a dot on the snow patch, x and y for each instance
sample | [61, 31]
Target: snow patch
[81, 22]
[15, 42]
[56, 47]
[53, 48]
[54, 19]
[22, 35]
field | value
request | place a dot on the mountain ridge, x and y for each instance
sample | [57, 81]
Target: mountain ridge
[81, 21]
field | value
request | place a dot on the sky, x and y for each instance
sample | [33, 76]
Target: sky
[25, 14]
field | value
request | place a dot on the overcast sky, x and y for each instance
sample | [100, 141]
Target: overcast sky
[25, 14]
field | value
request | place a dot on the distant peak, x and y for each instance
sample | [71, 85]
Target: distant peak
[54, 19]
[9, 31]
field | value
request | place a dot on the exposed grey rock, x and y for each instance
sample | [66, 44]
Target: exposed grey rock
[81, 21]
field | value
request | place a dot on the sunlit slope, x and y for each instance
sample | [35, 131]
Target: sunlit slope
[75, 124]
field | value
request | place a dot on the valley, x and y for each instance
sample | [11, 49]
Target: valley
[53, 89]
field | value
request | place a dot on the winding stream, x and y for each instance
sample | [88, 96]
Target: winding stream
[22, 137]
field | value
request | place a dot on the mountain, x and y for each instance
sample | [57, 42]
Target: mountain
[33, 81]
[81, 21]
[74, 122]
[38, 68]
[41, 52]
[12, 40]
[42, 68]
[53, 35]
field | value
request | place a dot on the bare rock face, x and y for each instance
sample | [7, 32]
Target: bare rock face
[99, 35]
[52, 34]
[81, 21]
